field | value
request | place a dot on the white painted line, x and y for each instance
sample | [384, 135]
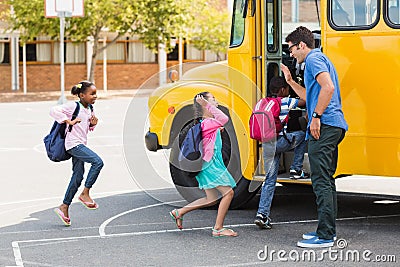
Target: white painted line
[116, 145]
[368, 217]
[17, 254]
[386, 201]
[25, 207]
[50, 243]
[9, 149]
[104, 224]
[100, 194]
[41, 149]
[74, 229]
[340, 219]
[72, 238]
[30, 219]
[19, 262]
[106, 136]
[238, 264]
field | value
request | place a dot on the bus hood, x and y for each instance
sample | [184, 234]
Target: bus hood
[216, 72]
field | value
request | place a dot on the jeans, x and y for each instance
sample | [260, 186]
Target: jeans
[81, 154]
[323, 155]
[272, 154]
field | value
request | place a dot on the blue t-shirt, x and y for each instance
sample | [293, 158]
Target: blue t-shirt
[315, 63]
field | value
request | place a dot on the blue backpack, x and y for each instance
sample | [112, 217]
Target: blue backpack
[54, 142]
[191, 151]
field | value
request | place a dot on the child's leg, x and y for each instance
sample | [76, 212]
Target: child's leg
[299, 144]
[76, 180]
[86, 155]
[227, 196]
[268, 188]
[210, 199]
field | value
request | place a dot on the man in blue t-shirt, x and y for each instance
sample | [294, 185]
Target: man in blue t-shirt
[325, 130]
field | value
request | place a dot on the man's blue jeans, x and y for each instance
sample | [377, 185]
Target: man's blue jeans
[272, 154]
[81, 154]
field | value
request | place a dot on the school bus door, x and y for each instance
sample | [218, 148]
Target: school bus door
[269, 47]
[272, 41]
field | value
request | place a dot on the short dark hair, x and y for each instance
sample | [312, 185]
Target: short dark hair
[277, 83]
[301, 34]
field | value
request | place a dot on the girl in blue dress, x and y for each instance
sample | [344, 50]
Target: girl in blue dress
[214, 176]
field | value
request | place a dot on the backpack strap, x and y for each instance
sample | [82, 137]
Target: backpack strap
[279, 99]
[284, 121]
[74, 115]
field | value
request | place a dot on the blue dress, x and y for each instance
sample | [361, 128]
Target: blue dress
[214, 173]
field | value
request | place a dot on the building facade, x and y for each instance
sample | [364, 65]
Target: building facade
[129, 62]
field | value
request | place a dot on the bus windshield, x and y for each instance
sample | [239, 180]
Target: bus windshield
[237, 31]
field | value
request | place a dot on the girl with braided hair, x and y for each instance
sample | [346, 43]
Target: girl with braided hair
[75, 145]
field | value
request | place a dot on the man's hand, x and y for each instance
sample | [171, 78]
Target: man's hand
[299, 90]
[315, 127]
[286, 72]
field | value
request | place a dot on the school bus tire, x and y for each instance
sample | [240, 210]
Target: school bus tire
[187, 186]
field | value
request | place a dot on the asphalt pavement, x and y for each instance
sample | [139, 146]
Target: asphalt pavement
[134, 191]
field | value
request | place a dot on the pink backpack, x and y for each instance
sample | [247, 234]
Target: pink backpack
[264, 121]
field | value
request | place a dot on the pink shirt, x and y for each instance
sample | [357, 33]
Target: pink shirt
[79, 132]
[209, 129]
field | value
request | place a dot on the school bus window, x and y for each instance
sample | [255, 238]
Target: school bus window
[354, 13]
[393, 11]
[237, 31]
[271, 32]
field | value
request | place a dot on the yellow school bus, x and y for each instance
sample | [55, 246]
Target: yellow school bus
[361, 37]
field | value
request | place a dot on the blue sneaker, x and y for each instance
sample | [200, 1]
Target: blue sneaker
[315, 242]
[314, 234]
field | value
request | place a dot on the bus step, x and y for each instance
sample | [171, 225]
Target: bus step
[259, 178]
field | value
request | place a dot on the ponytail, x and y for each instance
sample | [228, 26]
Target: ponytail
[81, 87]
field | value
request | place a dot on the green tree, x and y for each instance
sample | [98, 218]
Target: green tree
[119, 16]
[161, 21]
[211, 29]
[152, 20]
[27, 17]
[202, 21]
